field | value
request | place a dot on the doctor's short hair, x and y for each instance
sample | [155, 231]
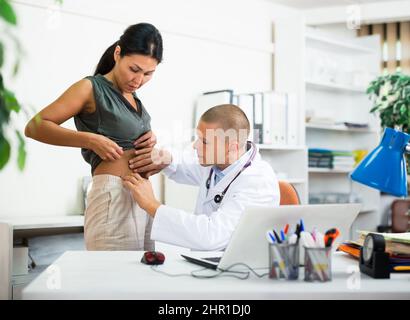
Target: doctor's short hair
[229, 116]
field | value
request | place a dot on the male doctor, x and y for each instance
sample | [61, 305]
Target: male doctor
[229, 172]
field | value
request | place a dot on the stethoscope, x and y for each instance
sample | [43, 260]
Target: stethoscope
[219, 197]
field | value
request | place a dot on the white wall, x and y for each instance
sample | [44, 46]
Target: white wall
[208, 45]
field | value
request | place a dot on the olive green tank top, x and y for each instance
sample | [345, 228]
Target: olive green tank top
[114, 118]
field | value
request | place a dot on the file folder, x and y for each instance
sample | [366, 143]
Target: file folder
[211, 99]
[246, 103]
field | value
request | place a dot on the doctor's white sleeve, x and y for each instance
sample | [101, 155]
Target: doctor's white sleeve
[185, 168]
[206, 232]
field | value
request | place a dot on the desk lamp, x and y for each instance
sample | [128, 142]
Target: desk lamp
[385, 167]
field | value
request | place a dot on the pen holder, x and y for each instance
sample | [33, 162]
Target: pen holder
[283, 261]
[318, 265]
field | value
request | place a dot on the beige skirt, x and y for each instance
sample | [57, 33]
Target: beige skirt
[113, 220]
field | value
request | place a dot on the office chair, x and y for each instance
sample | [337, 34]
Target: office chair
[400, 215]
[288, 194]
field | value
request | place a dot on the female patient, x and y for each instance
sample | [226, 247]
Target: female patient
[111, 122]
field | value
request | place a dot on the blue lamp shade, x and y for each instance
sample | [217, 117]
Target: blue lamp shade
[385, 167]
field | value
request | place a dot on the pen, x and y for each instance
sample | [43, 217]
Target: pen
[314, 234]
[270, 237]
[293, 239]
[286, 229]
[330, 236]
[277, 237]
[282, 235]
[401, 268]
[302, 226]
[320, 240]
[297, 230]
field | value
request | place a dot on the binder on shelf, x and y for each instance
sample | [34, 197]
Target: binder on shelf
[280, 117]
[211, 99]
[292, 119]
[235, 99]
[275, 118]
[258, 118]
[267, 119]
[246, 102]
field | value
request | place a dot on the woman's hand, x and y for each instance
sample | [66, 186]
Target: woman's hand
[141, 191]
[105, 148]
[149, 161]
[147, 140]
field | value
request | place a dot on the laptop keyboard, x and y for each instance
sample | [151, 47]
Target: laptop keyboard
[213, 259]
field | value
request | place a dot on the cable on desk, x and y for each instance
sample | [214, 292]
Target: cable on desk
[221, 273]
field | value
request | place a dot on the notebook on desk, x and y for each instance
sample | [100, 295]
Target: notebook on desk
[248, 243]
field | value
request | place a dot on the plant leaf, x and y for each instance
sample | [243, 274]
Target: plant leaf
[1, 54]
[4, 112]
[374, 109]
[7, 12]
[11, 101]
[21, 155]
[16, 68]
[4, 151]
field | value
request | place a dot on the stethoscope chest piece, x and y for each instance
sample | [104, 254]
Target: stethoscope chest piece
[218, 198]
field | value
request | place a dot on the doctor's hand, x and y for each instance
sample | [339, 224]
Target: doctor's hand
[147, 140]
[141, 191]
[149, 161]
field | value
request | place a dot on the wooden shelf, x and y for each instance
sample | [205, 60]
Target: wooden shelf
[330, 86]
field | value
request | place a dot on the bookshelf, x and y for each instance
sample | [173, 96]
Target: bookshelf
[336, 76]
[329, 86]
[343, 128]
[325, 170]
[328, 42]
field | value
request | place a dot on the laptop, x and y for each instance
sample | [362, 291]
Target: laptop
[248, 243]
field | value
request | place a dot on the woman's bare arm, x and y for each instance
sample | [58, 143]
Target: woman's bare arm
[45, 126]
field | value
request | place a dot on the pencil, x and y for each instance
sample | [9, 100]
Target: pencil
[401, 268]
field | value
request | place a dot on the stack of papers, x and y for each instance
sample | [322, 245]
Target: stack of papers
[331, 159]
[397, 245]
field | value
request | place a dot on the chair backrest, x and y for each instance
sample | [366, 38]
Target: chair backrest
[400, 215]
[288, 194]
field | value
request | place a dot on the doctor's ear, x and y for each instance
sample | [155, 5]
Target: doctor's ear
[233, 146]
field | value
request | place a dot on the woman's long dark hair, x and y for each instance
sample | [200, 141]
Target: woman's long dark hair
[140, 38]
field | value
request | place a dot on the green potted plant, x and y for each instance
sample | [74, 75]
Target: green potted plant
[8, 100]
[390, 94]
[391, 97]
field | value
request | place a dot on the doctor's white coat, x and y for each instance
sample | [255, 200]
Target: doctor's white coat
[211, 225]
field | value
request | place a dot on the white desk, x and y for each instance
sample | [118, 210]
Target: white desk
[26, 227]
[44, 225]
[120, 275]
